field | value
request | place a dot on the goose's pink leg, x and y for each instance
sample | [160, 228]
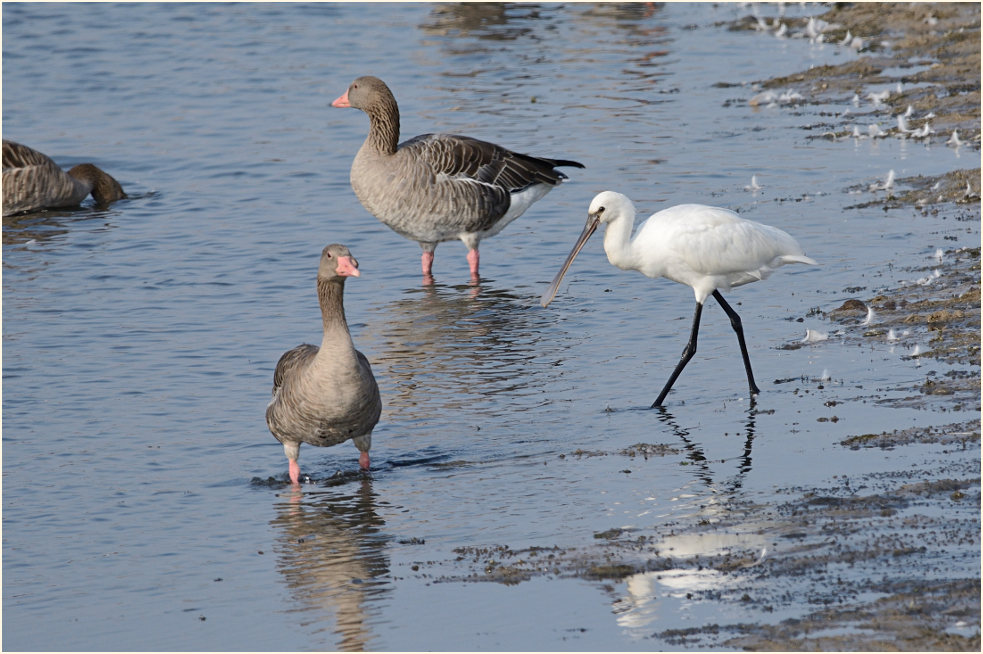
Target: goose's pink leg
[363, 460]
[473, 262]
[427, 267]
[294, 471]
[427, 260]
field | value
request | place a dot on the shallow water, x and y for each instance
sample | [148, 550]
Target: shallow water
[139, 342]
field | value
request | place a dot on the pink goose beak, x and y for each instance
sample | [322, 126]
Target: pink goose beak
[342, 101]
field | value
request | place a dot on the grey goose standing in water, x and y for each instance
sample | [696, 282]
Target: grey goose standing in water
[32, 181]
[440, 187]
[325, 395]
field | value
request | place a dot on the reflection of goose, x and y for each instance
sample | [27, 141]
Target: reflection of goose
[32, 181]
[325, 395]
[333, 559]
[36, 227]
[461, 19]
[445, 347]
[440, 187]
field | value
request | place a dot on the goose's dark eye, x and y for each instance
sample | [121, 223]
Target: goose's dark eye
[600, 211]
[328, 255]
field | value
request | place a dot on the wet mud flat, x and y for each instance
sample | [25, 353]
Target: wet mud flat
[875, 561]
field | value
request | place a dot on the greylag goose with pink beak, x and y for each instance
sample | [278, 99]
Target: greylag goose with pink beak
[33, 181]
[440, 187]
[325, 395]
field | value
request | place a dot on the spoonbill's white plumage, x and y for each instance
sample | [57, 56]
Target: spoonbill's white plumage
[707, 248]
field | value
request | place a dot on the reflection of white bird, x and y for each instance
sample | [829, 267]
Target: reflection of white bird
[706, 248]
[753, 186]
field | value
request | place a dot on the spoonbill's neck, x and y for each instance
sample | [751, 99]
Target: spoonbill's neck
[617, 241]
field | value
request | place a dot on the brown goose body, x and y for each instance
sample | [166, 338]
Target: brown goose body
[32, 181]
[440, 187]
[325, 395]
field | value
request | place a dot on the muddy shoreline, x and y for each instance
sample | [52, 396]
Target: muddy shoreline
[922, 512]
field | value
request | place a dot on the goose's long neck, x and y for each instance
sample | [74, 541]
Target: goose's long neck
[383, 126]
[617, 241]
[89, 178]
[330, 293]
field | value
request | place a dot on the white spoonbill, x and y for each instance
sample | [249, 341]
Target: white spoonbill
[706, 248]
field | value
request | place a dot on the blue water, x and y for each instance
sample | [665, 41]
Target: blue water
[139, 341]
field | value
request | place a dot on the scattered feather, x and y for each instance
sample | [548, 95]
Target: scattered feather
[924, 132]
[814, 336]
[765, 97]
[888, 183]
[928, 279]
[878, 98]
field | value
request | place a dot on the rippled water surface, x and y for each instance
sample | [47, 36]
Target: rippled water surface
[139, 341]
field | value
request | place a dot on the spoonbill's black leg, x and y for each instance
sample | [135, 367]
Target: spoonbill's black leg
[735, 322]
[688, 353]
